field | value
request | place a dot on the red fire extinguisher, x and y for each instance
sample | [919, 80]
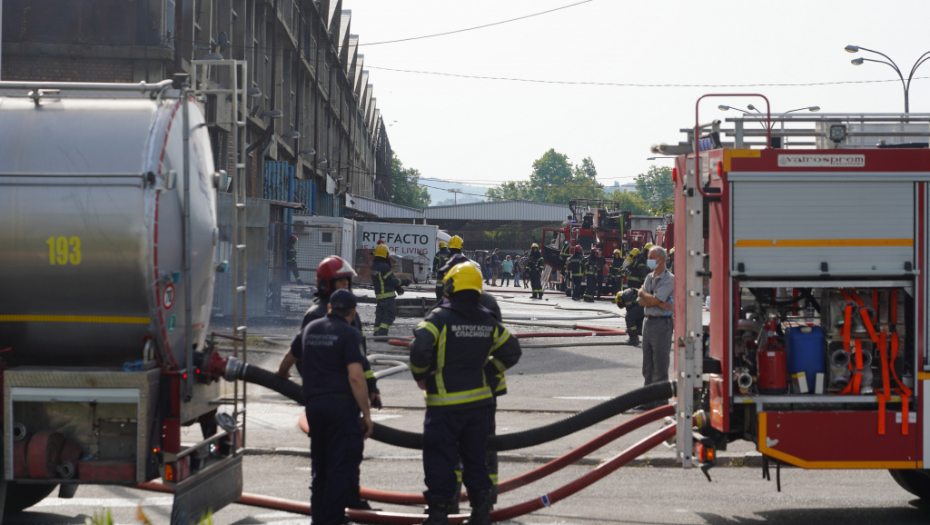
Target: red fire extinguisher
[772, 364]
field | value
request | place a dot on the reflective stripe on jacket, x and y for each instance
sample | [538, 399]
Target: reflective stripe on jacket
[459, 351]
[383, 279]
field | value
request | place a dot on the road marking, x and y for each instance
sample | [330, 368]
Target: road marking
[585, 398]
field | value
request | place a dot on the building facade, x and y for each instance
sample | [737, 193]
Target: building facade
[312, 109]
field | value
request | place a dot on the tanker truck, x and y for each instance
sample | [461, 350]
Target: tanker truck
[108, 231]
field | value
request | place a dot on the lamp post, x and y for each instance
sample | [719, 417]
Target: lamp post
[906, 84]
[455, 192]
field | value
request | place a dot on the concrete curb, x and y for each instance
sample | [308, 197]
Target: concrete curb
[750, 459]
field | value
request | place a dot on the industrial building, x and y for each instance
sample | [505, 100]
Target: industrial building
[313, 113]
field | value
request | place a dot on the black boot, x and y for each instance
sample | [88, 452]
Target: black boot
[633, 341]
[480, 508]
[438, 511]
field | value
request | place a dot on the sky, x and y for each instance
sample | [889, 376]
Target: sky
[489, 131]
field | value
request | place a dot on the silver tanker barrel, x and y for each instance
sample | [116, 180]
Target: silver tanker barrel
[91, 240]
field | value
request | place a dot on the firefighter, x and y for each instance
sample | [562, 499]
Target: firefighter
[447, 357]
[387, 286]
[333, 273]
[671, 259]
[535, 267]
[495, 379]
[636, 273]
[335, 392]
[615, 274]
[564, 255]
[576, 271]
[601, 263]
[438, 262]
[591, 272]
[291, 261]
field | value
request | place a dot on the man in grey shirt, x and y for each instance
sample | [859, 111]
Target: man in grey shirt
[656, 297]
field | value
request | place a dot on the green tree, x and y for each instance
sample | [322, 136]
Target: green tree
[554, 180]
[405, 189]
[656, 188]
[631, 201]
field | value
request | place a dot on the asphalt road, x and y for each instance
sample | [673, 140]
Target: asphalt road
[548, 384]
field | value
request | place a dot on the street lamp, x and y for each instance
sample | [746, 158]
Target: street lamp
[724, 107]
[812, 109]
[891, 63]
[654, 158]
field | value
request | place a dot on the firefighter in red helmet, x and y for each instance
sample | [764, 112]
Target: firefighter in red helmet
[576, 272]
[291, 261]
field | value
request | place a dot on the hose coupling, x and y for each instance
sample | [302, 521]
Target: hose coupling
[235, 369]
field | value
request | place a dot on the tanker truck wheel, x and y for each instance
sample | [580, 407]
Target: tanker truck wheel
[917, 482]
[21, 496]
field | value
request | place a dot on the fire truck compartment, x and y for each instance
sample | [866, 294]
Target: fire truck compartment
[844, 439]
[92, 426]
[853, 228]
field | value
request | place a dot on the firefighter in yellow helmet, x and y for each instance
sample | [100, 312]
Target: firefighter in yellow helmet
[447, 357]
[386, 286]
[535, 266]
[615, 274]
[636, 271]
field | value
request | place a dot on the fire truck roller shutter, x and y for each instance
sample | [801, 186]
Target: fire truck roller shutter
[862, 228]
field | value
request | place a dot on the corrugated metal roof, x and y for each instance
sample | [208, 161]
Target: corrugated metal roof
[382, 209]
[501, 211]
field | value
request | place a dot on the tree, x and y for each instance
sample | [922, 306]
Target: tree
[656, 188]
[554, 180]
[631, 201]
[405, 187]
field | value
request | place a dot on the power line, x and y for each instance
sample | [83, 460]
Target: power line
[637, 85]
[476, 27]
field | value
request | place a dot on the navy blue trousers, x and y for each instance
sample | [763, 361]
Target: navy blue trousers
[449, 435]
[335, 452]
[576, 287]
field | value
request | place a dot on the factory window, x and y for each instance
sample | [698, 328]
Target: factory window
[326, 238]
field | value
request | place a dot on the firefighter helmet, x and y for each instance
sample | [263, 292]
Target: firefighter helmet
[670, 252]
[381, 251]
[442, 244]
[617, 254]
[455, 242]
[460, 278]
[293, 238]
[626, 298]
[331, 269]
[380, 241]
[648, 247]
[534, 245]
[578, 249]
[594, 252]
[635, 252]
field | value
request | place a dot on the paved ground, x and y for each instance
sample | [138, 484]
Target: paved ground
[547, 385]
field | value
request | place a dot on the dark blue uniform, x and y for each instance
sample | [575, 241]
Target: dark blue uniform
[330, 345]
[576, 270]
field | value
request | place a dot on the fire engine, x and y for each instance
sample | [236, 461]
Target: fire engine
[816, 346]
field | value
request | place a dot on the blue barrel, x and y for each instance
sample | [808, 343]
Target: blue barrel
[806, 353]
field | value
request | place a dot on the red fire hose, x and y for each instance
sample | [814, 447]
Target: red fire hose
[399, 498]
[514, 511]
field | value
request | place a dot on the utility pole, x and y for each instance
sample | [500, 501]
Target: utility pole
[455, 192]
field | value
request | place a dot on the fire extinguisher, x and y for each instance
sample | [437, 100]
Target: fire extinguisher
[772, 364]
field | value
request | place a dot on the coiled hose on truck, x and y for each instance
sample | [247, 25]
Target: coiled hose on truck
[525, 439]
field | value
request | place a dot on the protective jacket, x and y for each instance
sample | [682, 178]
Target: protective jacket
[291, 253]
[574, 265]
[457, 340]
[535, 265]
[590, 264]
[566, 252]
[439, 260]
[638, 272]
[383, 279]
[615, 273]
[318, 311]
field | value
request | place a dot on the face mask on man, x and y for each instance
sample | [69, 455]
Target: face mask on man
[652, 264]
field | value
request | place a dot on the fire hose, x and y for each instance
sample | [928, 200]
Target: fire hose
[527, 438]
[555, 465]
[545, 500]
